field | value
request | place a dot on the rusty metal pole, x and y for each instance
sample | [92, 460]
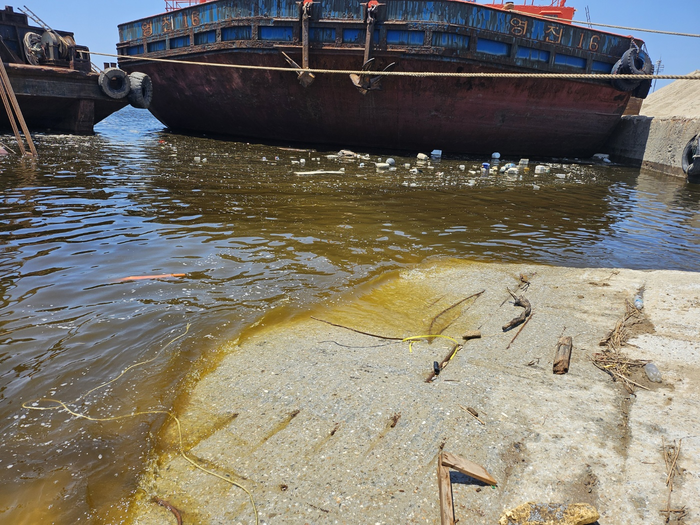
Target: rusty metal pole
[305, 35]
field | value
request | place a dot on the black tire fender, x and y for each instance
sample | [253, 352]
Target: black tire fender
[643, 89]
[114, 83]
[637, 62]
[141, 90]
[623, 84]
[688, 161]
[694, 171]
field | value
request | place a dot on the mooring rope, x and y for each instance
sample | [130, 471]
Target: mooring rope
[56, 404]
[658, 31]
[420, 74]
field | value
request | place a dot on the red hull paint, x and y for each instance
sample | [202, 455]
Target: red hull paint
[516, 116]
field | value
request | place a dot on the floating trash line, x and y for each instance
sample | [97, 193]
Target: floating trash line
[419, 74]
[63, 406]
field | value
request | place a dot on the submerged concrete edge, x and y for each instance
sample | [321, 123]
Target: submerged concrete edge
[653, 143]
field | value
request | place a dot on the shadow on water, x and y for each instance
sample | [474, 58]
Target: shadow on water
[251, 233]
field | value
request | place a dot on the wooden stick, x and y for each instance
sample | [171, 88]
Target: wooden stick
[626, 379]
[521, 329]
[472, 414]
[11, 116]
[358, 331]
[471, 334]
[468, 468]
[432, 323]
[519, 301]
[171, 508]
[562, 357]
[447, 510]
[18, 111]
[669, 478]
[443, 363]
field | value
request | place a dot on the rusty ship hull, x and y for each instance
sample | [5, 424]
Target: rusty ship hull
[56, 99]
[533, 116]
[52, 78]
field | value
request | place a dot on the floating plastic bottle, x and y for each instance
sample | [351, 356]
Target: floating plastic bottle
[652, 373]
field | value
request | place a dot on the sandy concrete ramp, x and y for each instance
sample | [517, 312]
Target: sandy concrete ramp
[327, 425]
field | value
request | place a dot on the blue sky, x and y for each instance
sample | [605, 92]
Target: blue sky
[95, 23]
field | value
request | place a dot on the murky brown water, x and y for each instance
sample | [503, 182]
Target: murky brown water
[250, 235]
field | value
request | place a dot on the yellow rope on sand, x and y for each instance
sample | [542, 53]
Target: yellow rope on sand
[60, 405]
[414, 338]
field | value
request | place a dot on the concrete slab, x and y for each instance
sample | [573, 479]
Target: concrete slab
[326, 425]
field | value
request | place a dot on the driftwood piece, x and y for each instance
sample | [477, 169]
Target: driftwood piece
[521, 329]
[467, 467]
[447, 510]
[472, 334]
[519, 301]
[563, 355]
[171, 508]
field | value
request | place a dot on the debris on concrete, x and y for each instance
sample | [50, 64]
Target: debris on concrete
[550, 514]
[519, 301]
[305, 414]
[563, 355]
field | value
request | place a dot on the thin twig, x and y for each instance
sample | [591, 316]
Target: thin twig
[669, 478]
[628, 380]
[521, 329]
[470, 413]
[168, 506]
[432, 323]
[443, 364]
[358, 331]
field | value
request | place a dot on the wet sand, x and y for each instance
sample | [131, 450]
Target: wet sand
[327, 425]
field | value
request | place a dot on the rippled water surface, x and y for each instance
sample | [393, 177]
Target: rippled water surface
[250, 233]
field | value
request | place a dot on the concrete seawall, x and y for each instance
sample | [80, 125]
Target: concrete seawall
[653, 143]
[656, 138]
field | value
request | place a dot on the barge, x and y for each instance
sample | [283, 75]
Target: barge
[53, 78]
[240, 68]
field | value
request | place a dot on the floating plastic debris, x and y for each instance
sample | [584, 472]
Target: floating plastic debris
[422, 156]
[391, 162]
[436, 153]
[496, 155]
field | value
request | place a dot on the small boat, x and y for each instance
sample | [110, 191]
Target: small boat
[53, 78]
[401, 74]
